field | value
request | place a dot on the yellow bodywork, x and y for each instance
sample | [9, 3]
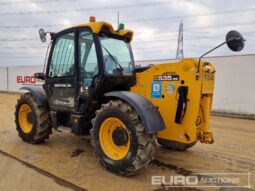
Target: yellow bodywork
[195, 124]
[96, 27]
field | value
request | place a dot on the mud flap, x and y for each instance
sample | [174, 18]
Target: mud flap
[148, 113]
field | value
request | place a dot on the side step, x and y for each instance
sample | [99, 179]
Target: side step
[64, 129]
[77, 123]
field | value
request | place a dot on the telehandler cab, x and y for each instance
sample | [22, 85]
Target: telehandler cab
[91, 86]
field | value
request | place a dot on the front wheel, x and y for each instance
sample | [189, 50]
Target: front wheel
[119, 139]
[33, 122]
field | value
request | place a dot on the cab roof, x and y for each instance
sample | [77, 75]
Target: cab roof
[101, 26]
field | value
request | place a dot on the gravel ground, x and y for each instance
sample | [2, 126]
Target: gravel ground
[67, 162]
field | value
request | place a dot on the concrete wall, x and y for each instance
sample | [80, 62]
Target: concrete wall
[3, 79]
[13, 78]
[234, 85]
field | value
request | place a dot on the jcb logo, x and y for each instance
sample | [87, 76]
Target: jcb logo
[26, 80]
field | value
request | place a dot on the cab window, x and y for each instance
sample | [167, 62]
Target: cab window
[117, 56]
[62, 59]
[88, 62]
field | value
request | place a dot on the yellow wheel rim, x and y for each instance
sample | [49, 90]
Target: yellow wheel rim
[25, 113]
[107, 141]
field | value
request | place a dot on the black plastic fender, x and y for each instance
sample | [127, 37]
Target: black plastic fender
[148, 113]
[38, 93]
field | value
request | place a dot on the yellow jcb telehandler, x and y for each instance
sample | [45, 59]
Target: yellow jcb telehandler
[91, 86]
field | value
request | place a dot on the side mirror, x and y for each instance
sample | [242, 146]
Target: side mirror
[39, 75]
[42, 35]
[235, 41]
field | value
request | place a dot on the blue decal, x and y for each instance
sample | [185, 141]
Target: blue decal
[156, 89]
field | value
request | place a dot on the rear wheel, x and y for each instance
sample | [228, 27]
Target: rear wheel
[119, 139]
[32, 121]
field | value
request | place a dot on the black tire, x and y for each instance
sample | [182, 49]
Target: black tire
[41, 128]
[142, 147]
[172, 145]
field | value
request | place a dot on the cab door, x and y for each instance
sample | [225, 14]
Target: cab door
[89, 67]
[61, 77]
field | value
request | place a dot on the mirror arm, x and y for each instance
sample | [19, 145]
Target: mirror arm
[52, 34]
[200, 58]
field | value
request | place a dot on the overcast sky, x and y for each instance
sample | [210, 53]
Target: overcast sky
[155, 25]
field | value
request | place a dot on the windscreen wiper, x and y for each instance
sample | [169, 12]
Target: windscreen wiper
[112, 57]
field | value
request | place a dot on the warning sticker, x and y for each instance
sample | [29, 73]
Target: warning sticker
[170, 88]
[156, 89]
